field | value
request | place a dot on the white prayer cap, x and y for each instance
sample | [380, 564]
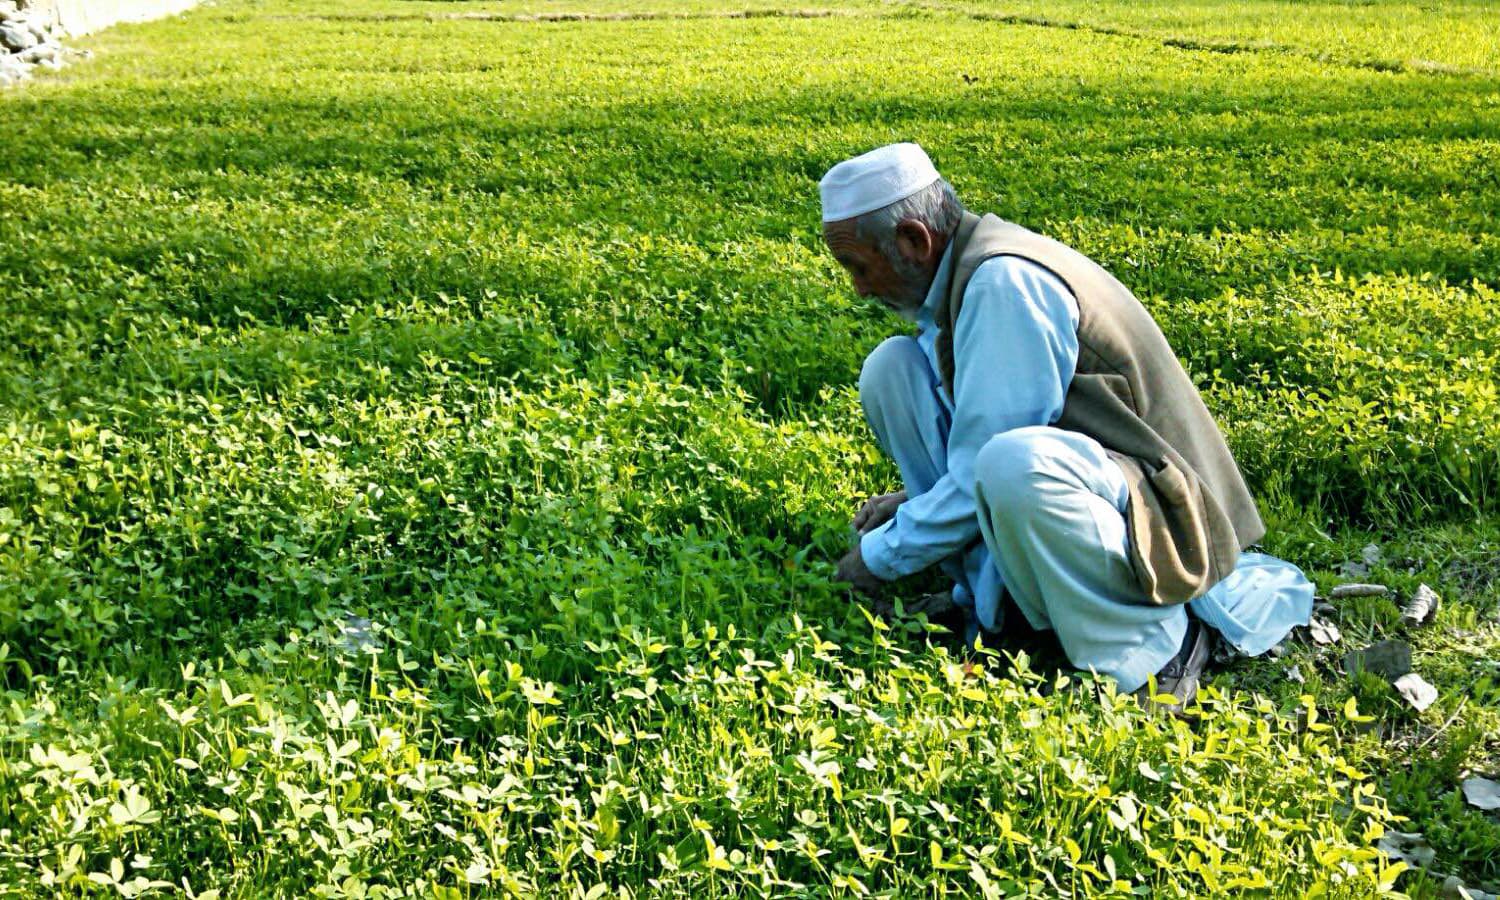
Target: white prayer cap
[876, 179]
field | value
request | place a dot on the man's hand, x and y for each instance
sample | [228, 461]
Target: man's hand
[877, 510]
[852, 569]
[933, 605]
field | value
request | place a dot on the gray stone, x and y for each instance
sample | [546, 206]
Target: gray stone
[1455, 889]
[16, 38]
[1482, 792]
[1352, 569]
[1388, 659]
[1408, 847]
[1344, 591]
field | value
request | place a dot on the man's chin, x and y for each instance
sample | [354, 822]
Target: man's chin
[907, 311]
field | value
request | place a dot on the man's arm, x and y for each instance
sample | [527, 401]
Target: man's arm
[1015, 346]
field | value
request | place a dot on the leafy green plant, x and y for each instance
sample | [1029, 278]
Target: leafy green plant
[421, 453]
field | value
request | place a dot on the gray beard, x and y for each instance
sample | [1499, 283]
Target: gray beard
[914, 286]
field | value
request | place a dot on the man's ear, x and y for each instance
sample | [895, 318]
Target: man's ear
[915, 241]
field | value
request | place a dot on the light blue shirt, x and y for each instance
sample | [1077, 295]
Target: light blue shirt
[1014, 349]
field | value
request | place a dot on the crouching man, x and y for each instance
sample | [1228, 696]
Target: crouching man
[1051, 446]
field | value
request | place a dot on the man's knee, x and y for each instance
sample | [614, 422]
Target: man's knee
[888, 371]
[1019, 466]
[1015, 458]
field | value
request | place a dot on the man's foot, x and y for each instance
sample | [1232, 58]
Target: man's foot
[1179, 677]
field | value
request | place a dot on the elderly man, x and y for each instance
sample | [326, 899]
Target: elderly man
[1050, 444]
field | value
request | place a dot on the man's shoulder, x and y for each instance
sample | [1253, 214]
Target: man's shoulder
[1004, 266]
[1020, 279]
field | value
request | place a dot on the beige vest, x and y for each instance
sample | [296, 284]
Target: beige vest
[1190, 513]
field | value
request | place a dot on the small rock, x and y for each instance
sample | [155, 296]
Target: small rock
[1455, 889]
[1344, 591]
[1295, 674]
[1388, 659]
[1370, 557]
[1324, 608]
[1422, 606]
[1408, 847]
[1482, 792]
[39, 53]
[1416, 690]
[1323, 631]
[17, 38]
[12, 69]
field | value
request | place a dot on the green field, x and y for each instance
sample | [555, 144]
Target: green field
[426, 429]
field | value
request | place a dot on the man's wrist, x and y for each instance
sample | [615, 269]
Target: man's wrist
[876, 551]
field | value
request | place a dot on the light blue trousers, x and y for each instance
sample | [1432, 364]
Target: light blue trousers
[1051, 510]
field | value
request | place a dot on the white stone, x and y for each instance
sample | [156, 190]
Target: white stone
[1415, 689]
[13, 69]
[1323, 631]
[79, 17]
[1422, 607]
[17, 38]
[39, 53]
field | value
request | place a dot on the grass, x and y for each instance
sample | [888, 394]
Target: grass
[516, 340]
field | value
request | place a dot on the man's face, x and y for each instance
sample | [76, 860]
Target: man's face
[899, 285]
